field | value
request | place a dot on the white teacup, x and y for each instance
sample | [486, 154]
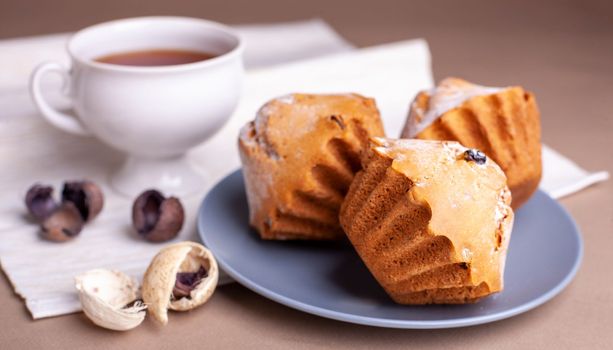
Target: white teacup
[152, 113]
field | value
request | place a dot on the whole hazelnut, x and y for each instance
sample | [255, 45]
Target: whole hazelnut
[40, 202]
[157, 218]
[86, 196]
[63, 224]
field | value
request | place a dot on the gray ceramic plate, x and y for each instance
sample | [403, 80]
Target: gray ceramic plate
[329, 280]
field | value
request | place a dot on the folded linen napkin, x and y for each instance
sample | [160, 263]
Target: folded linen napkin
[31, 150]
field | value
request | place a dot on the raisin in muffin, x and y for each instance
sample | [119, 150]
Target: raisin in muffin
[431, 220]
[299, 157]
[502, 122]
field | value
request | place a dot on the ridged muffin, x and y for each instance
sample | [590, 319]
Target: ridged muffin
[431, 220]
[299, 157]
[502, 122]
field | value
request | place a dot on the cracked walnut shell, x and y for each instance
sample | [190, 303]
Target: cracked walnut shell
[180, 277]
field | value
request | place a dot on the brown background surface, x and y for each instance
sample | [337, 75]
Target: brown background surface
[561, 50]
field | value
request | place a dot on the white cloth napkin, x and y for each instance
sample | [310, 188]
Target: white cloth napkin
[562, 177]
[30, 150]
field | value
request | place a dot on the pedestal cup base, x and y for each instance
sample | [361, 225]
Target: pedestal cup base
[171, 176]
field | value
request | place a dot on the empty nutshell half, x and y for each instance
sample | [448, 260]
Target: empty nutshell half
[110, 299]
[180, 277]
[157, 218]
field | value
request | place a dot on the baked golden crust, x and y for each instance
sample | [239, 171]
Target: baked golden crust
[430, 225]
[299, 157]
[502, 122]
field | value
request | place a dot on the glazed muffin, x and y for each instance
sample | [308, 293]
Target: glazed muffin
[431, 220]
[299, 157]
[502, 122]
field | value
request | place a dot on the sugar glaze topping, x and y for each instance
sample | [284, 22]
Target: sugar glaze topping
[449, 94]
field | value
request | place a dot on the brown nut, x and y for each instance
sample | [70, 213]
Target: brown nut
[40, 202]
[157, 218]
[182, 276]
[63, 224]
[86, 196]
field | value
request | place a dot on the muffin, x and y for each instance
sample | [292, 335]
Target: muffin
[502, 122]
[431, 220]
[299, 157]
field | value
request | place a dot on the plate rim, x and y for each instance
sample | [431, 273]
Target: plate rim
[389, 323]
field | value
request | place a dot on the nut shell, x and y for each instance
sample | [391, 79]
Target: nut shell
[104, 295]
[39, 201]
[160, 278]
[157, 218]
[63, 224]
[86, 196]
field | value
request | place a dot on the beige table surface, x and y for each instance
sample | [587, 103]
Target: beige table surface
[562, 50]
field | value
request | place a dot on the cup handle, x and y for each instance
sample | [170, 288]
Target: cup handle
[67, 122]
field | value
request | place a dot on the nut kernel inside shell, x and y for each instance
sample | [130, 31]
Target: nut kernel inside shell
[86, 196]
[186, 282]
[104, 296]
[157, 218]
[63, 224]
[39, 201]
[161, 278]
